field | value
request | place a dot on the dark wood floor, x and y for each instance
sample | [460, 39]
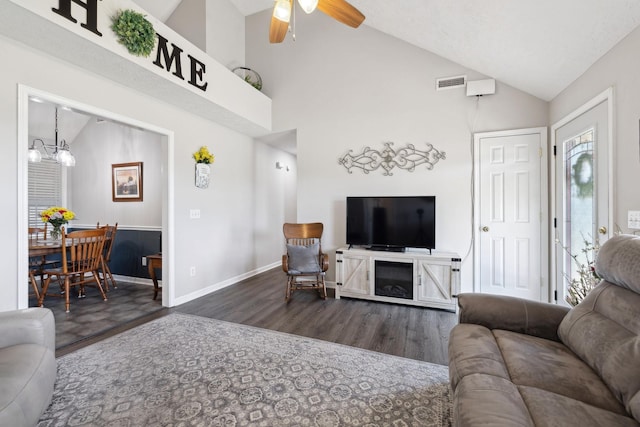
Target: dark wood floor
[412, 332]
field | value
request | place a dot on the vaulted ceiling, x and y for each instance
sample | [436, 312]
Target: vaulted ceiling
[537, 46]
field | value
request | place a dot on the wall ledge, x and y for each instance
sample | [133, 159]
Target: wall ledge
[227, 100]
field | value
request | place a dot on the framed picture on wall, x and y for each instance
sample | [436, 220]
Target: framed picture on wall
[126, 182]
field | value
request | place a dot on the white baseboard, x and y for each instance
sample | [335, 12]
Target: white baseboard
[137, 280]
[221, 285]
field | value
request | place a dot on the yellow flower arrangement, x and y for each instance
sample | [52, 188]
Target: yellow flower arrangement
[203, 155]
[57, 216]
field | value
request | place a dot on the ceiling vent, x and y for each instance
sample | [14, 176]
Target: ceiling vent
[451, 82]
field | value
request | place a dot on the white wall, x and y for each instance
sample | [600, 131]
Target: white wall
[227, 207]
[618, 68]
[188, 19]
[216, 27]
[225, 33]
[275, 188]
[97, 147]
[346, 89]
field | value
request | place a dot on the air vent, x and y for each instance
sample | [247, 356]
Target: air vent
[451, 82]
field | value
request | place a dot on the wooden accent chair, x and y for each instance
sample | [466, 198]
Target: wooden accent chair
[104, 271]
[81, 255]
[304, 262]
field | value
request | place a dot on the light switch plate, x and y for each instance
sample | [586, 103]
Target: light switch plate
[194, 213]
[633, 220]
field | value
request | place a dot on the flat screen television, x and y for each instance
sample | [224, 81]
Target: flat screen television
[392, 223]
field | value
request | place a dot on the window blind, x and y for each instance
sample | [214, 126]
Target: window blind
[45, 189]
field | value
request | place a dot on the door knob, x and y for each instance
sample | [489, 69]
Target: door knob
[485, 229]
[602, 230]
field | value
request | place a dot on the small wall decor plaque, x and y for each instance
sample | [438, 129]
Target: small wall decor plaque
[203, 159]
[389, 158]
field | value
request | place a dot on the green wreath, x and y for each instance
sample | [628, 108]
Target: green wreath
[583, 178]
[134, 32]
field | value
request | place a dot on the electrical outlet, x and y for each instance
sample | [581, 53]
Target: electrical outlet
[633, 218]
[192, 271]
[144, 261]
[194, 214]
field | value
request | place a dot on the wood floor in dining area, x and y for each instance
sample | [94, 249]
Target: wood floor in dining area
[406, 331]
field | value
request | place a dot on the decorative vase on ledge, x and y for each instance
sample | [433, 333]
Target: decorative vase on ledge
[202, 175]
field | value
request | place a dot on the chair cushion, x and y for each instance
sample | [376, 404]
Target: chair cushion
[304, 259]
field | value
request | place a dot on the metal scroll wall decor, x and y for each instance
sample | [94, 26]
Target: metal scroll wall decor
[388, 158]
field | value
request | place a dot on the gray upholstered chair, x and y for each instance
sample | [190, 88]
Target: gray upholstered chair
[27, 365]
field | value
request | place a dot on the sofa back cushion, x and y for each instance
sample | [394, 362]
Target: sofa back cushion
[604, 329]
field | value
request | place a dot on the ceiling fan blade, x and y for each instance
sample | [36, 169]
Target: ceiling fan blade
[278, 29]
[342, 11]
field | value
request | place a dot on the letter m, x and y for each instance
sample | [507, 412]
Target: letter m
[163, 53]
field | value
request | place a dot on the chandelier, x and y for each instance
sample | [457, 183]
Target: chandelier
[58, 152]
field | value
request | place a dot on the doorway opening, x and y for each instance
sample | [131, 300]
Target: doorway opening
[25, 95]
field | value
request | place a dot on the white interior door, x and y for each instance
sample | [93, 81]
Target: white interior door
[582, 187]
[510, 250]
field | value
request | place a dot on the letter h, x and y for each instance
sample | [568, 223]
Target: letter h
[91, 7]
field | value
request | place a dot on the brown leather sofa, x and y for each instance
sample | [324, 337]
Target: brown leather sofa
[515, 362]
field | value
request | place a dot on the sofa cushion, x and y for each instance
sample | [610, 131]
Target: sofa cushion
[473, 349]
[603, 331]
[551, 366]
[526, 361]
[553, 410]
[486, 400]
[28, 373]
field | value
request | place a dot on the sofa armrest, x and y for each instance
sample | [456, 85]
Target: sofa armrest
[512, 314]
[28, 326]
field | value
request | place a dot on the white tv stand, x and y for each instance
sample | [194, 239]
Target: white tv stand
[414, 277]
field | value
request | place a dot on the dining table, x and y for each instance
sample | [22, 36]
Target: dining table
[44, 247]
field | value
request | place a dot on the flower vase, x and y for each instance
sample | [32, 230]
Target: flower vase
[56, 232]
[202, 175]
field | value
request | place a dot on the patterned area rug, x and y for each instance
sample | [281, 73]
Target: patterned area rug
[183, 370]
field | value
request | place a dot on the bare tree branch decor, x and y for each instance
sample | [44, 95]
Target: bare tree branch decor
[388, 158]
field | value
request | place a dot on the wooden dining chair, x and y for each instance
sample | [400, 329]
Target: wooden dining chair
[304, 262]
[38, 264]
[81, 255]
[104, 271]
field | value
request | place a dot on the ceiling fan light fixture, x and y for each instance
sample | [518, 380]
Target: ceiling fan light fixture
[282, 10]
[308, 5]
